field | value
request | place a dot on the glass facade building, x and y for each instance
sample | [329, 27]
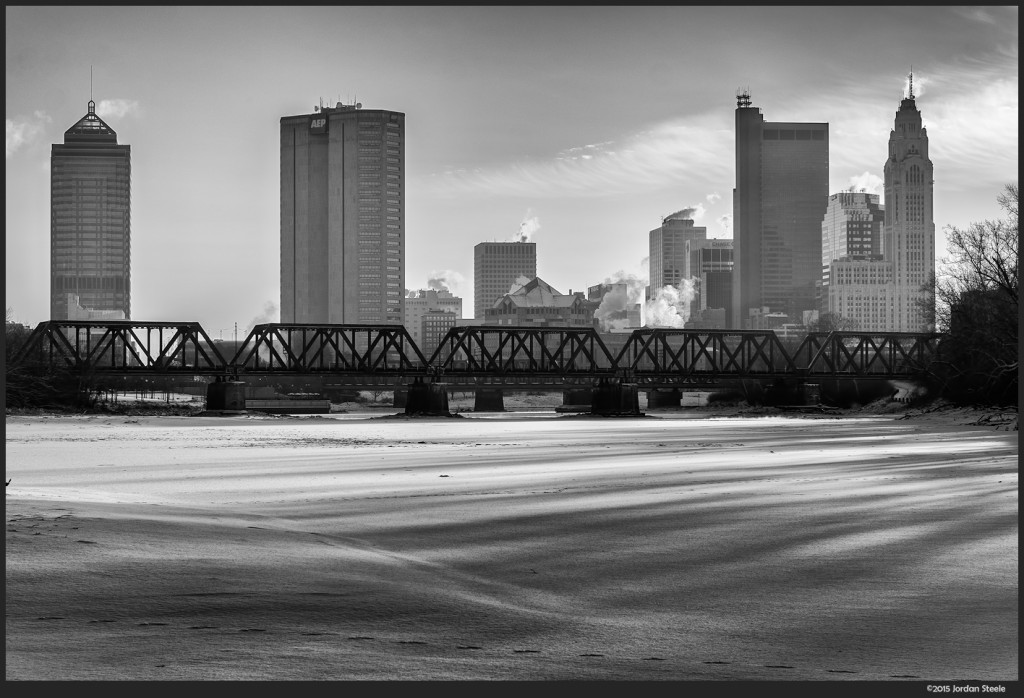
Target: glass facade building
[667, 247]
[343, 216]
[778, 204]
[90, 221]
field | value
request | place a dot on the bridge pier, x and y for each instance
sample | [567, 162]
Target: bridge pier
[401, 398]
[488, 400]
[664, 397]
[427, 399]
[225, 397]
[615, 398]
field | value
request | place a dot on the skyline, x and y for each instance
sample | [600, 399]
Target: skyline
[578, 127]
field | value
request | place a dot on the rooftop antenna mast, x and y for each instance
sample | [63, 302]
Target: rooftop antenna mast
[911, 77]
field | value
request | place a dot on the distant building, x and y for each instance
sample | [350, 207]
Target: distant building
[343, 216]
[710, 267]
[778, 204]
[434, 326]
[668, 262]
[90, 221]
[419, 303]
[537, 304]
[496, 266]
[855, 281]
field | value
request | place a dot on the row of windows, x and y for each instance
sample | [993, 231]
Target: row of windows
[788, 134]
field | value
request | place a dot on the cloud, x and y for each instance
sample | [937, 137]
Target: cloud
[725, 223]
[713, 198]
[117, 108]
[669, 155]
[24, 131]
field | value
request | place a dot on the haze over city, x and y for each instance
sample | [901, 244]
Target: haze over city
[577, 128]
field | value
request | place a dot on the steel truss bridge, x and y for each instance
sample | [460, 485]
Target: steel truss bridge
[474, 356]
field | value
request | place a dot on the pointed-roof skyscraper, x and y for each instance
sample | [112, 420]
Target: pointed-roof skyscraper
[90, 222]
[908, 233]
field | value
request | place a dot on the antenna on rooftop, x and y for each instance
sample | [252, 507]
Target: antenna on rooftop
[90, 83]
[911, 77]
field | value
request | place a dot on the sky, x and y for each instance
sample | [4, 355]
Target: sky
[580, 127]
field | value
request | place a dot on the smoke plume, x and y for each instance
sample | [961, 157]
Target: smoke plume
[527, 228]
[626, 292]
[445, 280]
[268, 315]
[518, 283]
[670, 306]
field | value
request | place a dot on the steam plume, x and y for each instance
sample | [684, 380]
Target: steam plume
[627, 291]
[670, 307]
[527, 228]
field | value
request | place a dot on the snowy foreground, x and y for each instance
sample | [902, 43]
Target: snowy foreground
[511, 547]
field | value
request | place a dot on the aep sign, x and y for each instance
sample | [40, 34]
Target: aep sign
[318, 123]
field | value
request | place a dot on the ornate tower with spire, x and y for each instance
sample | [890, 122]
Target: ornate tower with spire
[90, 223]
[908, 233]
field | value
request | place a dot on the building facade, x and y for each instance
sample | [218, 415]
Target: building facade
[343, 216]
[537, 304]
[855, 281]
[778, 204]
[419, 303]
[90, 222]
[496, 266]
[668, 261]
[908, 234]
[710, 267]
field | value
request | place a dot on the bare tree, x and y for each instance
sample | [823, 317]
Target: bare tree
[977, 295]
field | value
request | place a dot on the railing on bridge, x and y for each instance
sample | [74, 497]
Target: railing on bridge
[667, 355]
[301, 348]
[509, 351]
[650, 357]
[122, 346]
[863, 355]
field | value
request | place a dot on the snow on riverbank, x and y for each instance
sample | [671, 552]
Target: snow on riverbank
[679, 546]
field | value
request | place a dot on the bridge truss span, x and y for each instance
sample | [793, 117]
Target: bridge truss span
[352, 349]
[123, 346]
[525, 351]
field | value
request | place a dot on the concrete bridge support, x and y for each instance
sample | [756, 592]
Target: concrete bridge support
[576, 400]
[427, 399]
[401, 396]
[225, 397]
[488, 400]
[614, 398]
[664, 397]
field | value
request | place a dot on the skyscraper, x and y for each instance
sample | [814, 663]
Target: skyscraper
[908, 234]
[855, 282]
[343, 216]
[778, 203]
[496, 266]
[668, 262]
[90, 222]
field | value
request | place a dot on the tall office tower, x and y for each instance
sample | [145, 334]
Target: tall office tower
[90, 222]
[343, 216]
[496, 266]
[851, 228]
[908, 234]
[778, 203]
[855, 282]
[668, 263]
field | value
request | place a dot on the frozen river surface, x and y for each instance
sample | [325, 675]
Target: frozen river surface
[513, 547]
